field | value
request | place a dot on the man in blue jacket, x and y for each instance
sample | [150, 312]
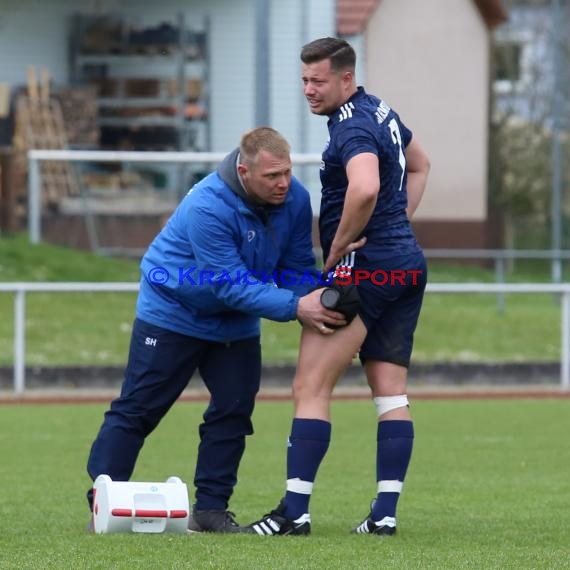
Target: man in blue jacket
[237, 248]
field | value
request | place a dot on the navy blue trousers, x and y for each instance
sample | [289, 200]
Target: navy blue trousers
[159, 368]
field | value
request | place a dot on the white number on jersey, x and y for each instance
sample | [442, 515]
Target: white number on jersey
[397, 139]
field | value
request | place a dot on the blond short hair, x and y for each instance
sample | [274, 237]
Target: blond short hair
[262, 138]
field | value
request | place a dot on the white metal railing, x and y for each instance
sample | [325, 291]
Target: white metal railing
[35, 156]
[20, 290]
[500, 257]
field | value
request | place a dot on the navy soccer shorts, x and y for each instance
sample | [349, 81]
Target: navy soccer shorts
[391, 294]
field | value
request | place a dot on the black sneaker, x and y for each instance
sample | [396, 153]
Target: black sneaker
[387, 526]
[214, 521]
[275, 523]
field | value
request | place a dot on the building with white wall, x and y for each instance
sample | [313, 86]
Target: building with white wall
[429, 60]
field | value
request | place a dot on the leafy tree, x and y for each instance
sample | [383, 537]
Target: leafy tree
[520, 145]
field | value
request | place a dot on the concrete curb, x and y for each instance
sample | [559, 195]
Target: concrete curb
[276, 394]
[421, 376]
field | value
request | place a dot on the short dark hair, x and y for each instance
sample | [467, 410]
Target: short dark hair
[340, 52]
[262, 138]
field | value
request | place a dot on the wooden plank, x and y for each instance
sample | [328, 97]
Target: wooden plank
[4, 100]
[40, 124]
[33, 93]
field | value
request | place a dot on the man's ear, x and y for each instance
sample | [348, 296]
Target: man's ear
[242, 169]
[348, 78]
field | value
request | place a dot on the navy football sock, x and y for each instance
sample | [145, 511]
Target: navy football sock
[394, 449]
[308, 444]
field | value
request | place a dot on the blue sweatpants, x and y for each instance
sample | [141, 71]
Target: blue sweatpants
[159, 368]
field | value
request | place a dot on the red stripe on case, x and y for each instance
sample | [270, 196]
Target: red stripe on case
[122, 512]
[151, 513]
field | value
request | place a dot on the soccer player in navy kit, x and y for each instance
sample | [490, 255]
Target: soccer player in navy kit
[373, 175]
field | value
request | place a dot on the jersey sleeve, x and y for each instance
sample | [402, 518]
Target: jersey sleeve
[355, 139]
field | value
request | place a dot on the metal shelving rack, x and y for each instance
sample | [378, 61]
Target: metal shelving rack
[173, 65]
[146, 102]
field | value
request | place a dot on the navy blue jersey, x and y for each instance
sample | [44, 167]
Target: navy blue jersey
[367, 124]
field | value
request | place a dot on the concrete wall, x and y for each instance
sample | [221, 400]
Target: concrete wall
[33, 32]
[430, 62]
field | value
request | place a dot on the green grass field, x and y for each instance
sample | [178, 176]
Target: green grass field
[488, 487]
[94, 328]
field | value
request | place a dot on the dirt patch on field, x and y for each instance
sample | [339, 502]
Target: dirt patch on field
[75, 396]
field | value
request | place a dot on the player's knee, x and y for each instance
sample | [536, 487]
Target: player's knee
[385, 404]
[302, 389]
[312, 392]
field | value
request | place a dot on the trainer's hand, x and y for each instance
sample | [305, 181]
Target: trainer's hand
[342, 298]
[312, 313]
[335, 255]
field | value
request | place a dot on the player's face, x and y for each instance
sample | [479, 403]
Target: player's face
[325, 90]
[268, 179]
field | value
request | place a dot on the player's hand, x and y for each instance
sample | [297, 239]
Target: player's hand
[335, 255]
[312, 313]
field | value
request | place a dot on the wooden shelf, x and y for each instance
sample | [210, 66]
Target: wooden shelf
[130, 102]
[172, 77]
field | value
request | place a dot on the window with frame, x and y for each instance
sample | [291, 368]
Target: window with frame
[508, 61]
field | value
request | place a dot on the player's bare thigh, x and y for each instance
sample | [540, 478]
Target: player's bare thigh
[322, 360]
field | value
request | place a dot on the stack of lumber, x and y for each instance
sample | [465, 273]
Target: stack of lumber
[80, 111]
[40, 125]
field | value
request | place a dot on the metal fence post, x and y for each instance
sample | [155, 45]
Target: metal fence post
[34, 200]
[20, 341]
[500, 279]
[20, 290]
[565, 347]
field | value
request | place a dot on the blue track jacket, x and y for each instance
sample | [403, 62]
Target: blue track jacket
[221, 262]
